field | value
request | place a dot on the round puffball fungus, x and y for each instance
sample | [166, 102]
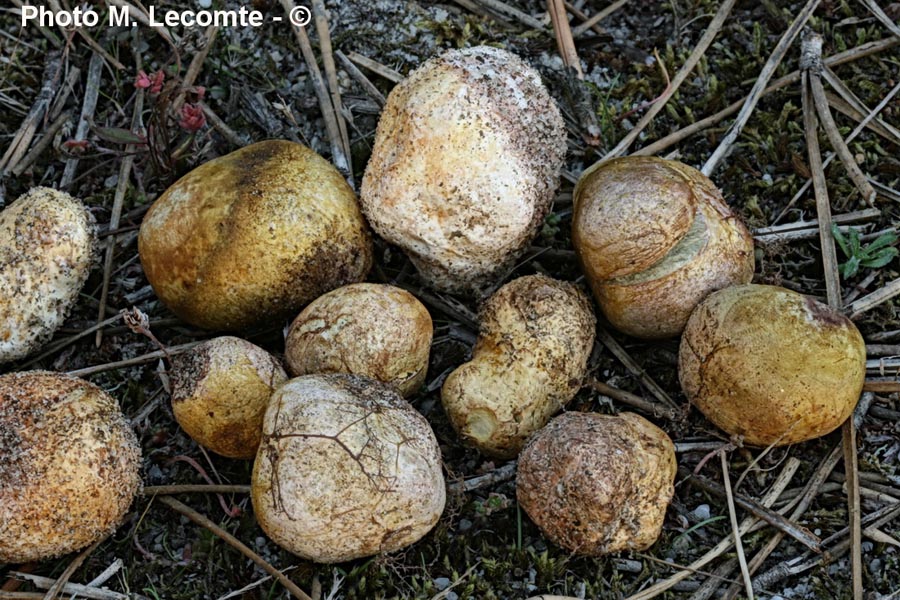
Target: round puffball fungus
[47, 241]
[654, 238]
[534, 341]
[465, 164]
[371, 329]
[70, 465]
[771, 365]
[252, 236]
[220, 392]
[347, 468]
[596, 484]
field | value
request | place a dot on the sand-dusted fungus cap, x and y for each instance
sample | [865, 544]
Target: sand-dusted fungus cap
[69, 468]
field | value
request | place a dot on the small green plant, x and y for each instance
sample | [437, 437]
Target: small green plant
[877, 254]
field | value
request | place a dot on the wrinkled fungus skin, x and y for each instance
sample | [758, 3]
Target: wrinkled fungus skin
[47, 247]
[220, 390]
[69, 465]
[371, 329]
[534, 341]
[347, 468]
[655, 237]
[596, 484]
[771, 365]
[252, 236]
[465, 165]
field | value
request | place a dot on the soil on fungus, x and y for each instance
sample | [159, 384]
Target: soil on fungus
[255, 82]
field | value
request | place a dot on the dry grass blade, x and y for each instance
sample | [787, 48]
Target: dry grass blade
[77, 590]
[864, 114]
[42, 144]
[232, 541]
[361, 79]
[699, 50]
[881, 16]
[193, 70]
[759, 87]
[855, 309]
[341, 161]
[375, 66]
[512, 12]
[61, 581]
[735, 530]
[137, 360]
[593, 20]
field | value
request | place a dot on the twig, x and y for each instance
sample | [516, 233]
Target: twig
[504, 473]
[376, 67]
[119, 197]
[877, 386]
[232, 541]
[61, 581]
[856, 308]
[699, 50]
[137, 360]
[594, 19]
[864, 114]
[798, 532]
[328, 113]
[361, 79]
[759, 87]
[648, 406]
[579, 14]
[604, 337]
[20, 142]
[222, 127]
[84, 591]
[778, 487]
[91, 93]
[673, 138]
[331, 77]
[848, 442]
[193, 70]
[881, 16]
[512, 12]
[202, 488]
[735, 531]
[564, 42]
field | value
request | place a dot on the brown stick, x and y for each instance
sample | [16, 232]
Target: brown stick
[232, 541]
[331, 77]
[564, 42]
[361, 79]
[648, 406]
[609, 341]
[592, 21]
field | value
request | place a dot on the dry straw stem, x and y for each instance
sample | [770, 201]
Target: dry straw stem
[42, 144]
[230, 135]
[862, 114]
[648, 406]
[235, 543]
[196, 65]
[881, 16]
[361, 79]
[20, 142]
[810, 228]
[91, 93]
[604, 337]
[137, 360]
[329, 113]
[810, 64]
[855, 309]
[673, 138]
[579, 14]
[735, 530]
[77, 590]
[375, 66]
[699, 50]
[593, 20]
[564, 42]
[759, 87]
[331, 77]
[61, 581]
[514, 13]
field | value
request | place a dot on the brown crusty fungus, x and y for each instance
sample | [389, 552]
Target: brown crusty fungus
[596, 484]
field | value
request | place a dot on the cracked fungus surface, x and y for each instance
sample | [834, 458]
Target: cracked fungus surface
[252, 236]
[70, 465]
[771, 365]
[47, 243]
[346, 469]
[466, 160]
[654, 238]
[220, 391]
[376, 330]
[597, 484]
[534, 341]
